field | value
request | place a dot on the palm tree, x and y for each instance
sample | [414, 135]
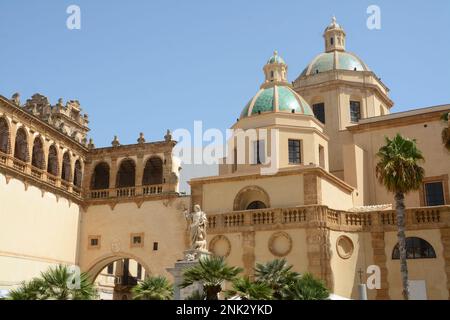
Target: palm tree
[153, 288]
[307, 288]
[398, 170]
[247, 289]
[446, 131]
[57, 283]
[31, 290]
[211, 272]
[278, 275]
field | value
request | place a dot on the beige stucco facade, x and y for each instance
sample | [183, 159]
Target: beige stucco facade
[315, 201]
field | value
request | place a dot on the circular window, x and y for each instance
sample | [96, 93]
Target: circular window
[280, 244]
[344, 247]
[220, 246]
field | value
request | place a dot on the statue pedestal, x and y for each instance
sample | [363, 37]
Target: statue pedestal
[191, 258]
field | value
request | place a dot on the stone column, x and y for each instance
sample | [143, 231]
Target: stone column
[248, 252]
[319, 254]
[379, 259]
[312, 189]
[177, 273]
[139, 173]
[113, 175]
[445, 239]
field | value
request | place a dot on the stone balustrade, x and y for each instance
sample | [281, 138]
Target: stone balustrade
[322, 216]
[127, 192]
[16, 167]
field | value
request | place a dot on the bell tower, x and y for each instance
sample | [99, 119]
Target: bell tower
[334, 37]
[275, 70]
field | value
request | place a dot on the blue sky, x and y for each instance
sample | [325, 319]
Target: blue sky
[152, 65]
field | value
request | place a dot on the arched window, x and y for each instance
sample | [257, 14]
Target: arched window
[38, 158]
[126, 174]
[4, 136]
[416, 248]
[256, 205]
[66, 167]
[21, 145]
[52, 162]
[153, 172]
[78, 174]
[100, 177]
[251, 197]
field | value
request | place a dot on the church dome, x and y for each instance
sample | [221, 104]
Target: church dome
[335, 56]
[335, 60]
[276, 98]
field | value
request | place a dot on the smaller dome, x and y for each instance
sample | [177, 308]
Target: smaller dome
[275, 59]
[333, 25]
[276, 99]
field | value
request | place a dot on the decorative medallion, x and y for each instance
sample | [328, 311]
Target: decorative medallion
[280, 244]
[220, 246]
[344, 247]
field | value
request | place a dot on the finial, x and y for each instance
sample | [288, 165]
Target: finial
[91, 144]
[141, 138]
[60, 101]
[275, 53]
[16, 98]
[333, 19]
[115, 142]
[168, 136]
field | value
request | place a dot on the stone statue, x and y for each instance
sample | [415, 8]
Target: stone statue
[197, 223]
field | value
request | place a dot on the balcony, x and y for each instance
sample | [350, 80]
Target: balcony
[322, 216]
[42, 178]
[127, 192]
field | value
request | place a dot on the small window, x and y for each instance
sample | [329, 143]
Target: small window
[319, 111]
[259, 152]
[434, 194]
[332, 41]
[416, 248]
[94, 242]
[137, 240]
[355, 111]
[271, 74]
[155, 246]
[294, 151]
[256, 205]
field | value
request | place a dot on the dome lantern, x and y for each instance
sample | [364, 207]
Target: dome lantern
[334, 36]
[275, 70]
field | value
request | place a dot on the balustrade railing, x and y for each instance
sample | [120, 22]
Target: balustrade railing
[18, 165]
[352, 221]
[126, 192]
[152, 189]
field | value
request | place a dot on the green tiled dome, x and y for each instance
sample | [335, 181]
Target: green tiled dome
[336, 60]
[287, 100]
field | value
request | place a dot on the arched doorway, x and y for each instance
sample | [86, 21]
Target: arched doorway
[114, 277]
